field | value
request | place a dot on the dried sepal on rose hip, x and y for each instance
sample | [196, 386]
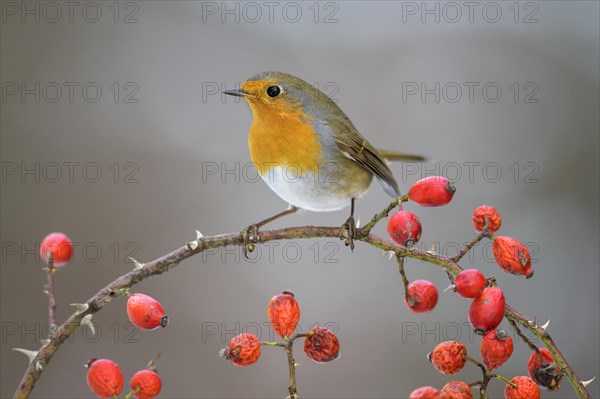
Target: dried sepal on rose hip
[512, 256]
[243, 350]
[284, 313]
[58, 247]
[456, 390]
[448, 357]
[426, 392]
[404, 228]
[543, 370]
[496, 347]
[526, 389]
[487, 310]
[468, 283]
[322, 345]
[424, 296]
[145, 312]
[486, 215]
[145, 384]
[432, 191]
[104, 377]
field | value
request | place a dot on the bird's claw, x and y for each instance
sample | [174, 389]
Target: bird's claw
[249, 238]
[348, 232]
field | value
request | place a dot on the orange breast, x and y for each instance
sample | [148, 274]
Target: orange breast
[283, 139]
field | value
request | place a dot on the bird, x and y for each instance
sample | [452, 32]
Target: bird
[308, 151]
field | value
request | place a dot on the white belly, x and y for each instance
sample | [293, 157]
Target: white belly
[318, 192]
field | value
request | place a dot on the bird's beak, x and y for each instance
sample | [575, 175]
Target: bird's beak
[236, 92]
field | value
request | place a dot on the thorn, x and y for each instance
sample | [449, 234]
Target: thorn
[545, 326]
[87, 321]
[192, 245]
[432, 250]
[532, 323]
[451, 287]
[389, 253]
[30, 354]
[38, 366]
[199, 235]
[80, 307]
[136, 263]
[588, 382]
[44, 342]
[358, 223]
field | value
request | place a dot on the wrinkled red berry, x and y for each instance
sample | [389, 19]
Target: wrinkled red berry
[404, 228]
[284, 313]
[104, 377]
[543, 370]
[424, 295]
[512, 256]
[487, 310]
[425, 393]
[449, 357]
[456, 390]
[322, 345]
[244, 350]
[496, 347]
[146, 384]
[469, 283]
[486, 214]
[59, 246]
[432, 191]
[146, 312]
[526, 389]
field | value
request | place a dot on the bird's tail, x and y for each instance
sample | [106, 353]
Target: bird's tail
[394, 156]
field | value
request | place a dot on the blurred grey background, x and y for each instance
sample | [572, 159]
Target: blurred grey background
[114, 132]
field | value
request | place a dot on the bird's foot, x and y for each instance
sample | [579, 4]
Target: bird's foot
[348, 232]
[249, 238]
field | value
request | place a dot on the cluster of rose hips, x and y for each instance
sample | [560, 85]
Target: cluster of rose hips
[486, 311]
[320, 344]
[105, 379]
[104, 376]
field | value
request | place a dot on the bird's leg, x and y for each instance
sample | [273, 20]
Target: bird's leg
[250, 233]
[349, 228]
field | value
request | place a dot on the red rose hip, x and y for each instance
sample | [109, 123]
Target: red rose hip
[487, 310]
[496, 347]
[146, 312]
[469, 283]
[512, 256]
[404, 228]
[526, 389]
[424, 295]
[244, 350]
[425, 393]
[456, 390]
[59, 246]
[543, 370]
[322, 345]
[284, 313]
[146, 384]
[486, 214]
[432, 191]
[104, 377]
[448, 357]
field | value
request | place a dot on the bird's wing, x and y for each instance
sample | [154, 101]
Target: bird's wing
[355, 147]
[395, 156]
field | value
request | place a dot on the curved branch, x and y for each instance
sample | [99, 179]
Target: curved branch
[171, 260]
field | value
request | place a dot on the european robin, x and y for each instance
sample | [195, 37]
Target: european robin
[308, 151]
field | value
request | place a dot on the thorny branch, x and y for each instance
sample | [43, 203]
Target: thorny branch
[201, 244]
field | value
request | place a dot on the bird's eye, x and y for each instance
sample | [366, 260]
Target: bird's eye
[273, 91]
